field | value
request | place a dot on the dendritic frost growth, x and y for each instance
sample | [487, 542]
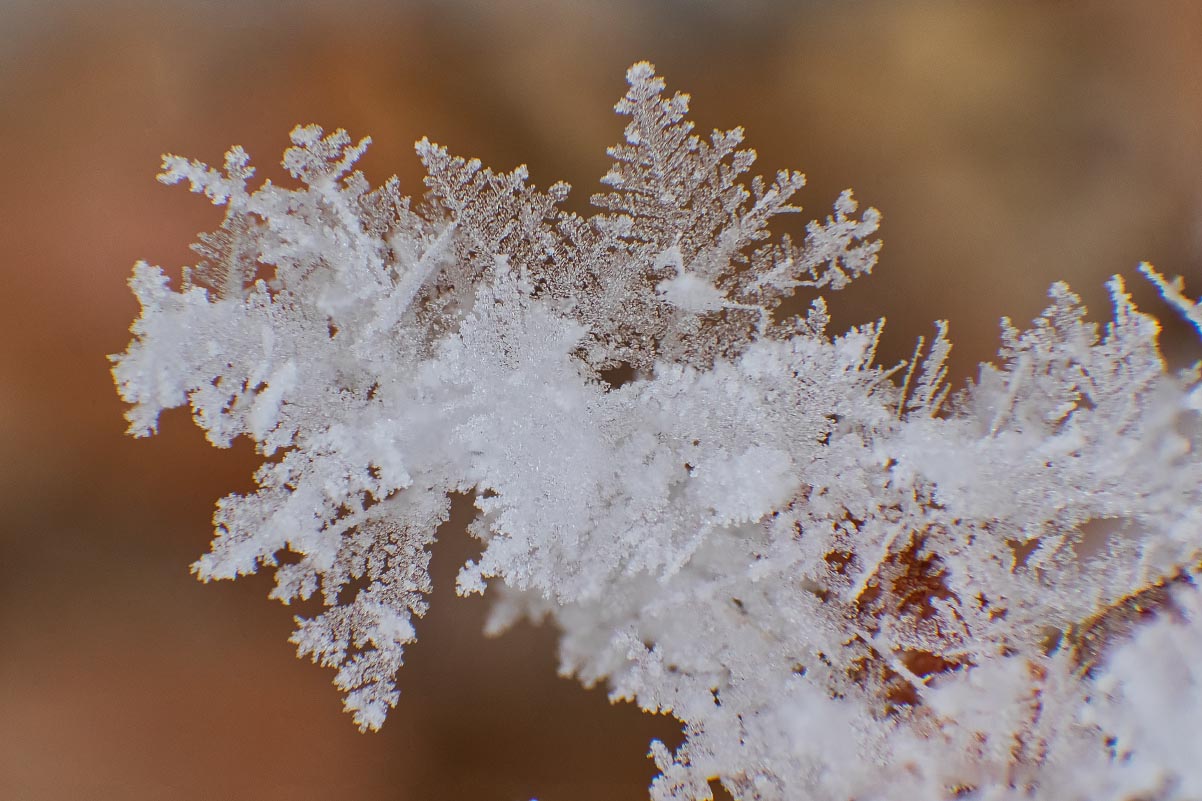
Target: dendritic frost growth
[845, 581]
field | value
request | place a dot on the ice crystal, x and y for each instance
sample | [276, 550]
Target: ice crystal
[845, 582]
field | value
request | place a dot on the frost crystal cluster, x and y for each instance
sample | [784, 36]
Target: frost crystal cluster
[845, 582]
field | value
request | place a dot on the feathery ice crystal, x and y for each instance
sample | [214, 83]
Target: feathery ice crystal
[845, 583]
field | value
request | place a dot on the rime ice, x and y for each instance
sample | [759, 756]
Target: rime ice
[844, 581]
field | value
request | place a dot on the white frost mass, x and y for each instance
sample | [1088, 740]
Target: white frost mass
[843, 581]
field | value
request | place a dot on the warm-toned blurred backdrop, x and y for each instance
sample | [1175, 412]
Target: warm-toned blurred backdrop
[1008, 144]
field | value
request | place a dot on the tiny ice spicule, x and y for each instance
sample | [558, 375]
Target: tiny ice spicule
[846, 580]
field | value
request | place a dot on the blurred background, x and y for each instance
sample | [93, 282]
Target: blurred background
[1007, 144]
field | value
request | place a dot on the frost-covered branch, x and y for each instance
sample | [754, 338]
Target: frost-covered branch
[846, 581]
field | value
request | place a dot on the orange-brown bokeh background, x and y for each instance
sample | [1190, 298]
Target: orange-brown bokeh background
[1008, 145]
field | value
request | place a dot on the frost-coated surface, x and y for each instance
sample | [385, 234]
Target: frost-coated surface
[843, 582]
